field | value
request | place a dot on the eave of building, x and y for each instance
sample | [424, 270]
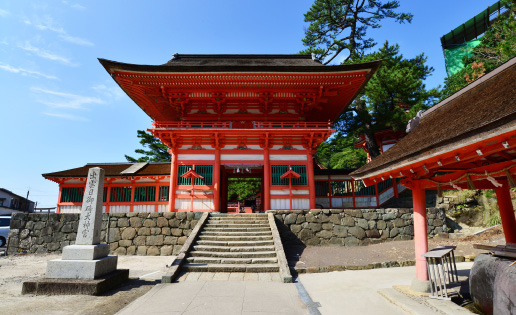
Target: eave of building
[156, 88]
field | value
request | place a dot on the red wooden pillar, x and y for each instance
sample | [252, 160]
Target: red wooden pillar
[173, 180]
[216, 181]
[503, 195]
[266, 180]
[58, 210]
[420, 234]
[156, 196]
[108, 196]
[133, 188]
[310, 178]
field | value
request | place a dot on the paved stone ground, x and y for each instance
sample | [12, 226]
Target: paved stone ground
[356, 292]
[219, 297]
[229, 276]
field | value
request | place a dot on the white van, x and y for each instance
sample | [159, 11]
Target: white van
[5, 223]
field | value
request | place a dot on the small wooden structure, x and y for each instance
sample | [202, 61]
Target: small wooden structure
[466, 141]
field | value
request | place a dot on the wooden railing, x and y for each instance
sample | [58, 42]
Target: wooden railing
[230, 125]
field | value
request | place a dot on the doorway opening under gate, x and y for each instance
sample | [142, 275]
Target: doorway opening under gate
[242, 188]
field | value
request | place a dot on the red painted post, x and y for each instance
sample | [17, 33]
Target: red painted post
[310, 178]
[290, 191]
[420, 233]
[173, 181]
[108, 196]
[133, 188]
[266, 180]
[216, 181]
[156, 197]
[503, 195]
[58, 210]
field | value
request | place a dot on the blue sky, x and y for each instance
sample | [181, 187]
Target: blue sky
[61, 110]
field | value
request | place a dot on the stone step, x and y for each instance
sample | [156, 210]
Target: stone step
[234, 225]
[226, 233]
[209, 248]
[230, 267]
[235, 229]
[231, 221]
[218, 215]
[264, 254]
[247, 238]
[223, 260]
[236, 243]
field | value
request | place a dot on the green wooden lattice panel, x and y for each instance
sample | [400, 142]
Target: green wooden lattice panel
[361, 190]
[164, 193]
[384, 185]
[205, 171]
[321, 189]
[341, 188]
[301, 170]
[145, 193]
[120, 194]
[72, 194]
[276, 172]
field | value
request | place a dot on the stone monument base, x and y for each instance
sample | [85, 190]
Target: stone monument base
[76, 286]
[81, 268]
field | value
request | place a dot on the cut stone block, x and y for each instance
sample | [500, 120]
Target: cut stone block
[85, 252]
[80, 269]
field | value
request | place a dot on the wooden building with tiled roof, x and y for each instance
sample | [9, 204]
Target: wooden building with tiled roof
[233, 116]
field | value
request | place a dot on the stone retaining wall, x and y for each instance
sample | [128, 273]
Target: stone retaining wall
[150, 234]
[351, 227]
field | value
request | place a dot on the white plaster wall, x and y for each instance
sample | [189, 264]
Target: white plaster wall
[365, 202]
[199, 204]
[70, 209]
[162, 208]
[241, 157]
[200, 157]
[284, 204]
[287, 157]
[144, 208]
[386, 195]
[343, 202]
[120, 209]
[286, 192]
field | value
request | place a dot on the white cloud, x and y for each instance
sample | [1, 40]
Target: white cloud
[113, 92]
[66, 116]
[74, 5]
[50, 25]
[45, 54]
[56, 99]
[4, 12]
[26, 72]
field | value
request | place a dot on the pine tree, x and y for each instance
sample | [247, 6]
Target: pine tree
[157, 151]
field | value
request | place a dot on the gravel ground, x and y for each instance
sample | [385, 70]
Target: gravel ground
[16, 269]
[146, 271]
[315, 256]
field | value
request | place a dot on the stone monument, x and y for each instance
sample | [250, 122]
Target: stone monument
[87, 259]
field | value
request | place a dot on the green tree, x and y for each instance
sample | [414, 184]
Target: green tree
[157, 151]
[341, 25]
[240, 189]
[393, 95]
[497, 47]
[339, 152]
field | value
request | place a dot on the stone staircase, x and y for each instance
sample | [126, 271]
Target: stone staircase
[231, 243]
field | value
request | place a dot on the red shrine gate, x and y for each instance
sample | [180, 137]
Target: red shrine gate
[262, 114]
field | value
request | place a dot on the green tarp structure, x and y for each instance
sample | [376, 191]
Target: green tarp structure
[459, 42]
[453, 56]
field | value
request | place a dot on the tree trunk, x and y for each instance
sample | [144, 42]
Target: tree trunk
[372, 146]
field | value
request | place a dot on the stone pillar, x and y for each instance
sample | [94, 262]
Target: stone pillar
[420, 237]
[216, 181]
[310, 178]
[503, 195]
[173, 180]
[87, 259]
[266, 180]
